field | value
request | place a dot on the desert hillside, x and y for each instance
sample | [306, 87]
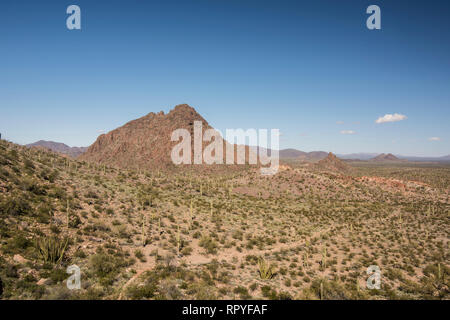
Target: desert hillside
[385, 158]
[145, 143]
[332, 163]
[148, 234]
[58, 147]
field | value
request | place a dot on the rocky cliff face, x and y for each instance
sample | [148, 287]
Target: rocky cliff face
[145, 143]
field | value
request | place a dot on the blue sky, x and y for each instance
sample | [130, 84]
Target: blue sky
[311, 69]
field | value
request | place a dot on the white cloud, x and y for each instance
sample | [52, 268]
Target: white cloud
[391, 118]
[339, 122]
[100, 131]
[348, 132]
[434, 139]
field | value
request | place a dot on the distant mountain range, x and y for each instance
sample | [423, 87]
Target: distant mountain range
[369, 156]
[444, 158]
[138, 138]
[59, 147]
[358, 156]
[314, 156]
[385, 158]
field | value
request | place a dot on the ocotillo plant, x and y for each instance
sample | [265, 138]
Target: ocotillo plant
[211, 206]
[265, 271]
[51, 249]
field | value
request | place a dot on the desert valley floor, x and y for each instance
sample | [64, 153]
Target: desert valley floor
[305, 233]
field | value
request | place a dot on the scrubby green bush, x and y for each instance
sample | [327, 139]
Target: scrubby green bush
[242, 292]
[44, 213]
[28, 164]
[103, 265]
[74, 220]
[28, 285]
[268, 292]
[57, 275]
[15, 206]
[208, 244]
[329, 290]
[106, 266]
[49, 175]
[17, 244]
[139, 292]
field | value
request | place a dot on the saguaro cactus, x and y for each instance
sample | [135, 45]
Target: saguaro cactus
[351, 231]
[358, 289]
[439, 271]
[178, 239]
[144, 240]
[191, 213]
[324, 258]
[67, 214]
[305, 259]
[321, 290]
